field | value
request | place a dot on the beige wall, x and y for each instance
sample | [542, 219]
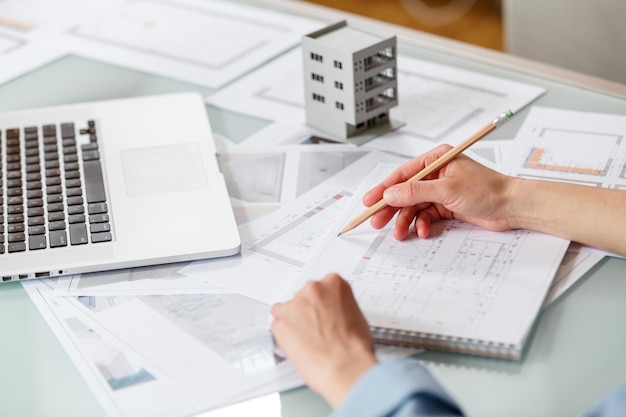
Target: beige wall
[587, 36]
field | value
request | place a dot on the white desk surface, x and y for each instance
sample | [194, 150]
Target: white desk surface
[576, 352]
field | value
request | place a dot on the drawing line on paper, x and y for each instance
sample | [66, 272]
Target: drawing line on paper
[293, 241]
[451, 278]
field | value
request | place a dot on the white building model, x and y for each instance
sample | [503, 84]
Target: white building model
[350, 81]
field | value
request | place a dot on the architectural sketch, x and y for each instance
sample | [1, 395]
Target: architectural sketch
[350, 81]
[293, 242]
[572, 146]
[573, 152]
[462, 281]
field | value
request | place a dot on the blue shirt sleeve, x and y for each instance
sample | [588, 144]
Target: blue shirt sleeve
[398, 388]
[613, 405]
[404, 388]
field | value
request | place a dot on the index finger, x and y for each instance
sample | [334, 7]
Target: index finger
[403, 173]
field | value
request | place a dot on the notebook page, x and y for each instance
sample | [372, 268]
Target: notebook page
[462, 282]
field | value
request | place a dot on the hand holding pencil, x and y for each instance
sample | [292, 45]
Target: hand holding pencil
[410, 174]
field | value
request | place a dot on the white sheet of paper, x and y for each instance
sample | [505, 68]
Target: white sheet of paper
[30, 30]
[205, 42]
[21, 58]
[30, 20]
[576, 263]
[157, 279]
[181, 354]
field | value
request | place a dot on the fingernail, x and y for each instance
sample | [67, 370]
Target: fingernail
[391, 194]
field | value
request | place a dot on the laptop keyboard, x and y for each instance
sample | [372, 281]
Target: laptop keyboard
[52, 191]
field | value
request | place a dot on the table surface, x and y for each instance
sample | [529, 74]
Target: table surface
[574, 356]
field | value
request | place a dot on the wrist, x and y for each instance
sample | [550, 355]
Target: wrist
[515, 205]
[344, 373]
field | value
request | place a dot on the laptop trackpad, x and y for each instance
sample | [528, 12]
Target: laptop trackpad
[163, 170]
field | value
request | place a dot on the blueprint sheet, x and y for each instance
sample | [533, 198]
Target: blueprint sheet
[565, 145]
[462, 282]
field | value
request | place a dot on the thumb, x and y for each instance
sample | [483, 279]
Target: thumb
[411, 193]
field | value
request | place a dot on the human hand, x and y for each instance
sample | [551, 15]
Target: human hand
[462, 189]
[325, 337]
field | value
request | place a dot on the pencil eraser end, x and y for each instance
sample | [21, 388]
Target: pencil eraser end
[509, 113]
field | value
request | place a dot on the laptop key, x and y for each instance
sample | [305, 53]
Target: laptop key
[97, 208]
[101, 237]
[78, 234]
[36, 230]
[15, 228]
[100, 227]
[35, 211]
[76, 218]
[37, 242]
[74, 201]
[58, 238]
[56, 216]
[75, 210]
[49, 130]
[17, 237]
[94, 183]
[32, 194]
[67, 130]
[98, 218]
[74, 192]
[17, 247]
[15, 209]
[60, 225]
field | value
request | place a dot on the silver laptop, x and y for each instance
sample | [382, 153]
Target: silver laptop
[110, 184]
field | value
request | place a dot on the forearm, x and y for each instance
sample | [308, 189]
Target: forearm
[588, 215]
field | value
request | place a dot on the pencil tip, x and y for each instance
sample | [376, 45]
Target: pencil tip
[338, 234]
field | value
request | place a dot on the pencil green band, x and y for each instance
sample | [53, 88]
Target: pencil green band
[502, 118]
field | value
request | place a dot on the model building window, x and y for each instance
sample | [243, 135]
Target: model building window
[339, 105]
[318, 97]
[317, 77]
[316, 57]
[338, 85]
[338, 65]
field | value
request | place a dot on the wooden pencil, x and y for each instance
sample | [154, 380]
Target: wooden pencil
[437, 164]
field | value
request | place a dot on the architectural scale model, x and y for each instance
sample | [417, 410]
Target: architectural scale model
[350, 82]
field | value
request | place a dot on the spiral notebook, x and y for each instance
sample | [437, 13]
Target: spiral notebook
[463, 289]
